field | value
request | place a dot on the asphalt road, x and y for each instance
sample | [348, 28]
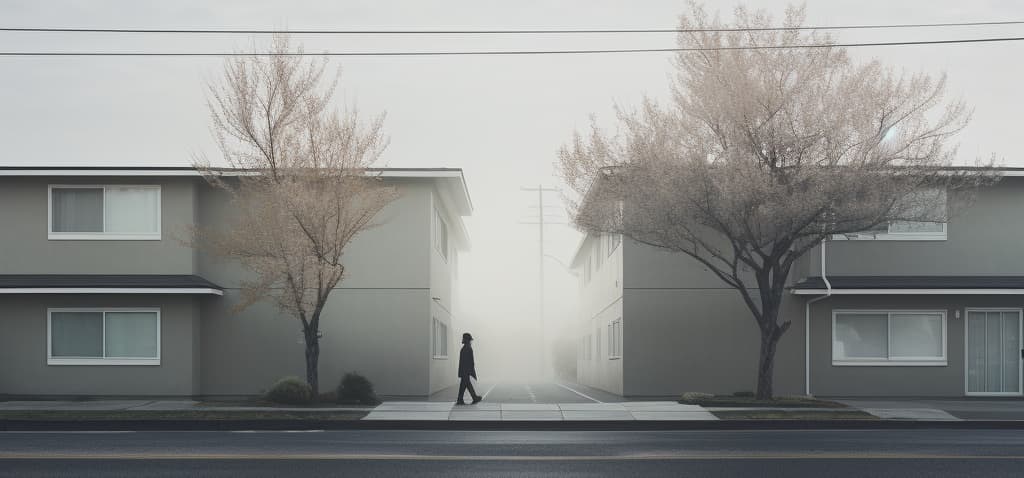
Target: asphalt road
[832, 453]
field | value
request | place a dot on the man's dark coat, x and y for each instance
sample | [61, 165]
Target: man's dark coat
[467, 368]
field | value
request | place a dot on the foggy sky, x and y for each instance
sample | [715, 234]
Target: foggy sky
[501, 119]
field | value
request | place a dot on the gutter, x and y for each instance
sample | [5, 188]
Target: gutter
[807, 323]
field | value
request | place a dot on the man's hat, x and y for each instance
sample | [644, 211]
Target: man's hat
[466, 337]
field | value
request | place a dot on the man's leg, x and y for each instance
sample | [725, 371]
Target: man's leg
[463, 383]
[472, 392]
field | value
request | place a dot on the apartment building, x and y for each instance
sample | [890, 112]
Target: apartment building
[929, 309]
[101, 296]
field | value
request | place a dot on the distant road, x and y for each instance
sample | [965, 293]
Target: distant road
[811, 453]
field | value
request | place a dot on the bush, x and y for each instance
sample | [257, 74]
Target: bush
[355, 388]
[696, 396]
[290, 391]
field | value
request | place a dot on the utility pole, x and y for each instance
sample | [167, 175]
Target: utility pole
[540, 189]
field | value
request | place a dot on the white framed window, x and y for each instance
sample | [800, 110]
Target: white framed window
[105, 212]
[889, 337]
[440, 339]
[96, 336]
[928, 202]
[615, 339]
[440, 234]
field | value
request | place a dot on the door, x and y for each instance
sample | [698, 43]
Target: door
[993, 352]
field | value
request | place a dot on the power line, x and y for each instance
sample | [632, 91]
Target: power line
[559, 31]
[509, 52]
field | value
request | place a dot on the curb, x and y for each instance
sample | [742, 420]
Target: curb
[637, 425]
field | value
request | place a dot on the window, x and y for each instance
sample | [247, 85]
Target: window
[615, 339]
[440, 340]
[440, 234]
[104, 212]
[103, 337]
[929, 202]
[889, 338]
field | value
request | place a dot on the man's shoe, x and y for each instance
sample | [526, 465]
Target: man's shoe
[460, 402]
[477, 400]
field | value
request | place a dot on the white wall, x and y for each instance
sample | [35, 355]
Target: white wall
[600, 304]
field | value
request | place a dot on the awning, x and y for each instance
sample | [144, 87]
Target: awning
[911, 285]
[106, 284]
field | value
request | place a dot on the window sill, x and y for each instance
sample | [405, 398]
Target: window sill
[615, 358]
[74, 236]
[889, 363]
[101, 361]
[439, 357]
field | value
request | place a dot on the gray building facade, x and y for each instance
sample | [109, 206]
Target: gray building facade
[929, 310]
[101, 295]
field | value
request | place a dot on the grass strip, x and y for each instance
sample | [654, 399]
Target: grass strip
[793, 415]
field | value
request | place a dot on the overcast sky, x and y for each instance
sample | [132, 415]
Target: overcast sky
[501, 119]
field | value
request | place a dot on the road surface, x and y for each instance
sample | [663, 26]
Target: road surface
[832, 453]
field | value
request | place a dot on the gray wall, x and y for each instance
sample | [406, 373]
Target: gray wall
[685, 330]
[28, 251]
[23, 350]
[937, 381]
[378, 333]
[983, 238]
[377, 321]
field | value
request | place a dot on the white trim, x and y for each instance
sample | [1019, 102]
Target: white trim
[99, 172]
[941, 361]
[895, 236]
[1020, 342]
[103, 236]
[51, 360]
[910, 291]
[196, 173]
[101, 290]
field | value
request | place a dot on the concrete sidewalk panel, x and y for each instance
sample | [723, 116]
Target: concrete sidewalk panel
[531, 415]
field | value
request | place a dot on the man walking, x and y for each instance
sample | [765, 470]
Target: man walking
[467, 368]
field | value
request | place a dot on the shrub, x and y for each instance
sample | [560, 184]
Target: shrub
[696, 396]
[355, 388]
[290, 391]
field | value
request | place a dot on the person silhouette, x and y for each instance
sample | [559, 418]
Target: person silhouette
[467, 368]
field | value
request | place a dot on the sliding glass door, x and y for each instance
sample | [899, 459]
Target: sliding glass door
[993, 352]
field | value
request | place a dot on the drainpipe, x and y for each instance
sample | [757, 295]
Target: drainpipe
[807, 323]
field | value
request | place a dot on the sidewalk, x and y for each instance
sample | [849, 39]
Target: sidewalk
[622, 411]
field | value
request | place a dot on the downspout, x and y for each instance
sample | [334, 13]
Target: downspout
[807, 323]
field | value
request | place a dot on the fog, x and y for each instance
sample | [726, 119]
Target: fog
[501, 119]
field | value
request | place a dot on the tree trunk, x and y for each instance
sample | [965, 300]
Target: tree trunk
[766, 365]
[312, 361]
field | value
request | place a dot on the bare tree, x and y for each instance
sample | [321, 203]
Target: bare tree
[299, 180]
[764, 152]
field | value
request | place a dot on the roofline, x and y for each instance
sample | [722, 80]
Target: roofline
[190, 171]
[111, 290]
[947, 291]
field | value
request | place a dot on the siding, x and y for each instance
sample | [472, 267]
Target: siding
[23, 350]
[28, 251]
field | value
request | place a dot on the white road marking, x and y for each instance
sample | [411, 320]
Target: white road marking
[489, 390]
[588, 397]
